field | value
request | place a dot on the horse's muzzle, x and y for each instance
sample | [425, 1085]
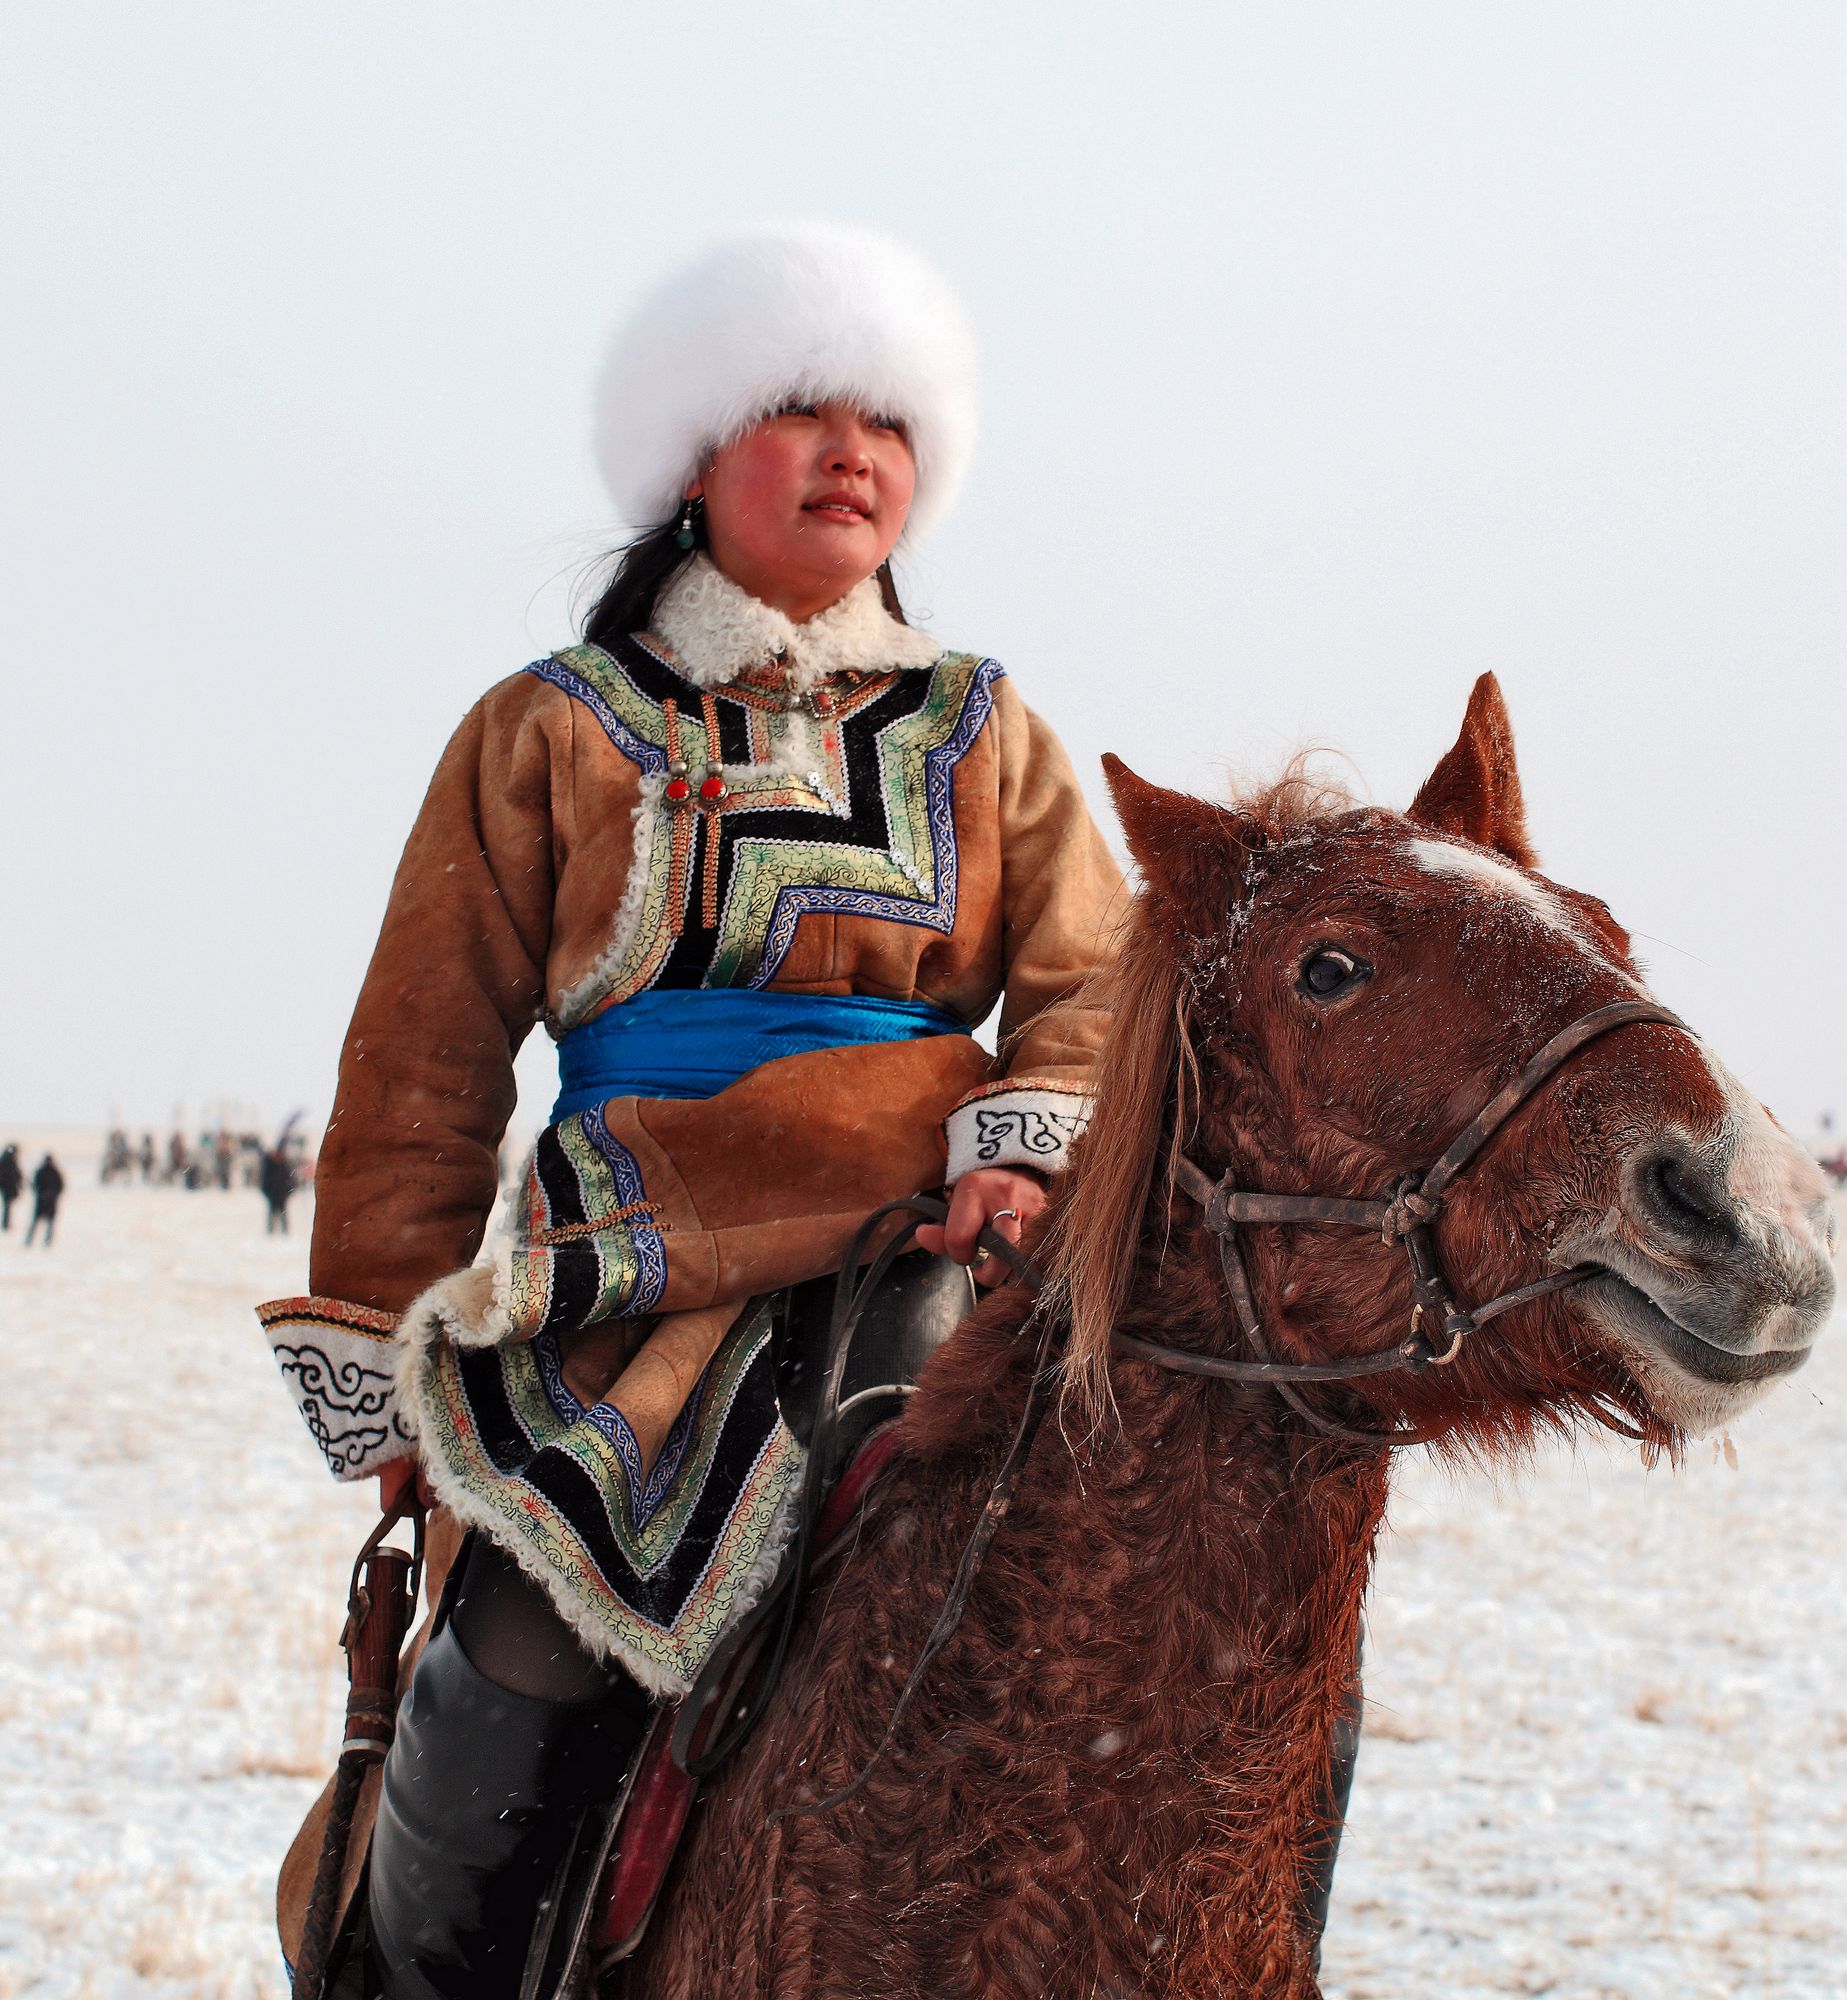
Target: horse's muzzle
[1718, 1262]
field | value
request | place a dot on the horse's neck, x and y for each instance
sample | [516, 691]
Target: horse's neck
[1265, 1528]
[1199, 1550]
[1172, 1608]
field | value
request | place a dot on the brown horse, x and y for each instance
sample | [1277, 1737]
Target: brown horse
[1108, 1782]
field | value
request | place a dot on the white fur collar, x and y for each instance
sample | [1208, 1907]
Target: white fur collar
[715, 629]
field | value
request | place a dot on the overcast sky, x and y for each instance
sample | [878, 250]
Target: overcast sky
[1333, 354]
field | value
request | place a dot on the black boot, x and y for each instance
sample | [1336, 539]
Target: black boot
[482, 1793]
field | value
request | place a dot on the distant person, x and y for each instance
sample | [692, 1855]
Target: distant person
[12, 1179]
[47, 1187]
[278, 1183]
[147, 1159]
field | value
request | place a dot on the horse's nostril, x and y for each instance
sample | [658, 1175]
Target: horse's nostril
[1687, 1199]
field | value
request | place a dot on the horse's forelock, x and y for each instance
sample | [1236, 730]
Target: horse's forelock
[1305, 799]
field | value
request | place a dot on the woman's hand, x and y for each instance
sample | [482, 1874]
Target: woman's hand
[1004, 1199]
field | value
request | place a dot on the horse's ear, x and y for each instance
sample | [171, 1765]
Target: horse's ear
[1186, 848]
[1475, 791]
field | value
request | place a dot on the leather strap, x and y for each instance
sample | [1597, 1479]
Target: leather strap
[853, 1289]
[381, 1599]
[1405, 1216]
[1466, 1146]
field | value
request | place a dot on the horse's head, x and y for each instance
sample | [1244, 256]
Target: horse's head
[1339, 991]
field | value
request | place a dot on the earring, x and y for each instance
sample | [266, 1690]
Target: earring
[683, 536]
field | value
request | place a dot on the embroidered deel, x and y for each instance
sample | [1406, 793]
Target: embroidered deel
[851, 812]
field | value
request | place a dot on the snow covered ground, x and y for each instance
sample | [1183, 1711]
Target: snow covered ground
[1606, 1754]
[1606, 1745]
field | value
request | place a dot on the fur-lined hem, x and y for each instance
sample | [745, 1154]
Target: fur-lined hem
[575, 1004]
[592, 1634]
[472, 1308]
[422, 1330]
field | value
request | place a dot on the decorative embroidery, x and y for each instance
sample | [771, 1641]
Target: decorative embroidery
[842, 803]
[339, 1360]
[1014, 1123]
[655, 1584]
[1035, 1132]
[586, 1244]
[1037, 1086]
[561, 671]
[645, 1491]
[569, 1232]
[919, 800]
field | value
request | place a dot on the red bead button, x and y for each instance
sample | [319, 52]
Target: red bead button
[678, 789]
[712, 788]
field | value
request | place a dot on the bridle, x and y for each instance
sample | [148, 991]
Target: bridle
[1406, 1216]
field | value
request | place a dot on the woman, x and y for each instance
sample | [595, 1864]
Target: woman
[760, 854]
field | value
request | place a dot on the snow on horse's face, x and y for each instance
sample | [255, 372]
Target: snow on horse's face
[1362, 983]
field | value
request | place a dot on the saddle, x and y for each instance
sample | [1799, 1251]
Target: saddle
[613, 1880]
[845, 1352]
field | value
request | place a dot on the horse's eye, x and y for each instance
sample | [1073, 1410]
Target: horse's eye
[1327, 973]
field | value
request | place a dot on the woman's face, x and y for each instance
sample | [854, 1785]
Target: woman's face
[807, 504]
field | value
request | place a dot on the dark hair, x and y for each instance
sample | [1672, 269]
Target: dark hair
[649, 563]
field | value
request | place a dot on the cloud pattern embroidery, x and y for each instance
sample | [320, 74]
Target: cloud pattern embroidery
[348, 1402]
[1025, 1129]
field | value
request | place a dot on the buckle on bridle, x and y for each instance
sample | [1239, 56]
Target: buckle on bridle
[1404, 1216]
[1456, 1323]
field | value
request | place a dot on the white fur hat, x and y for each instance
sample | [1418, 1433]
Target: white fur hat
[810, 310]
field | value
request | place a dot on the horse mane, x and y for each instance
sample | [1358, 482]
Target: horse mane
[1147, 1089]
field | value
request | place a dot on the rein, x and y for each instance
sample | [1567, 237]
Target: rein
[693, 1749]
[1405, 1216]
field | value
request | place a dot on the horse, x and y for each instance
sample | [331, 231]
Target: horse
[1111, 1780]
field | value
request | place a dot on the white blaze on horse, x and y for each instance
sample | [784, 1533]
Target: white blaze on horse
[1541, 1200]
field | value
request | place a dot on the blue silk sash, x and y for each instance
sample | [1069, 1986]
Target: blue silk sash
[696, 1041]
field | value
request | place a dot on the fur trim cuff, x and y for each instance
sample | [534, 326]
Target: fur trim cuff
[1015, 1124]
[715, 629]
[468, 1308]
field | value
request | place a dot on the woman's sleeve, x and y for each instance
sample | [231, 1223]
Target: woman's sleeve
[409, 1168]
[1060, 893]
